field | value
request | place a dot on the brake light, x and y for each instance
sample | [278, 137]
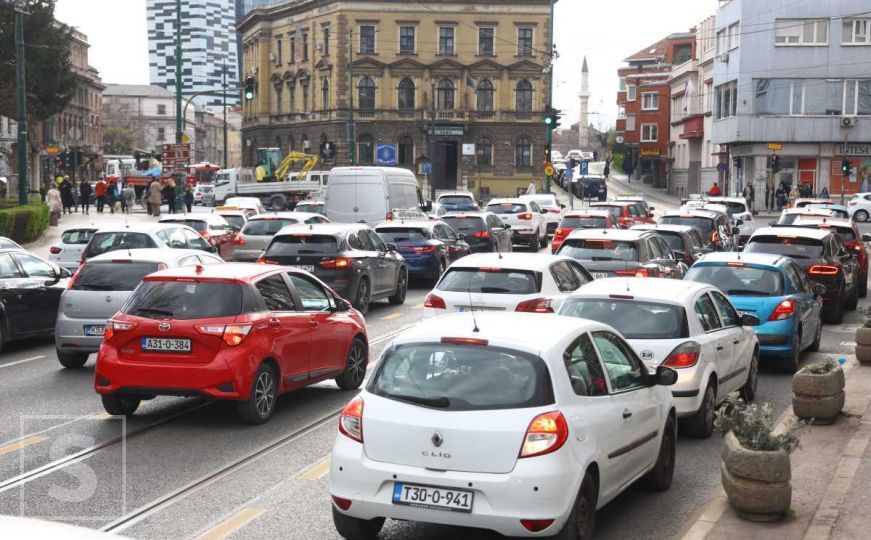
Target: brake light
[824, 270]
[465, 341]
[554, 211]
[238, 240]
[481, 234]
[683, 356]
[424, 249]
[641, 272]
[351, 420]
[263, 260]
[435, 302]
[389, 216]
[536, 525]
[546, 433]
[343, 504]
[536, 305]
[117, 326]
[526, 216]
[231, 334]
[73, 279]
[55, 250]
[784, 310]
[561, 232]
[340, 262]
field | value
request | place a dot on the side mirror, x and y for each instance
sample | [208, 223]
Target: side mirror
[749, 320]
[772, 223]
[65, 273]
[679, 255]
[462, 237]
[736, 231]
[543, 211]
[506, 226]
[235, 228]
[392, 247]
[212, 249]
[427, 206]
[651, 209]
[739, 222]
[866, 237]
[665, 376]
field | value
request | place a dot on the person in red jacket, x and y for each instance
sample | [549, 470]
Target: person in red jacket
[100, 192]
[715, 191]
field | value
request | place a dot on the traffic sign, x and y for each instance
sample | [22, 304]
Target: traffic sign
[385, 154]
[426, 167]
[176, 157]
[721, 167]
[548, 171]
[585, 167]
[775, 146]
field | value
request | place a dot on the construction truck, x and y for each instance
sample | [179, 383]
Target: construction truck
[270, 169]
[272, 180]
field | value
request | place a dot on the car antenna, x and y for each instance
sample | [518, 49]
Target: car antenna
[471, 304]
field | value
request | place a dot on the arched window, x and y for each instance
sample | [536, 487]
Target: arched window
[366, 93]
[405, 157]
[523, 100]
[484, 96]
[325, 94]
[406, 95]
[523, 153]
[291, 96]
[279, 92]
[484, 151]
[304, 85]
[365, 150]
[445, 95]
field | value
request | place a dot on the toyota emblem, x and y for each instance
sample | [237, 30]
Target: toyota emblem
[163, 327]
[437, 439]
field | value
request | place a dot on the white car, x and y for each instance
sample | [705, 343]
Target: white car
[310, 206]
[688, 326]
[68, 252]
[246, 202]
[145, 235]
[859, 207]
[548, 201]
[200, 189]
[576, 155]
[740, 211]
[505, 282]
[526, 218]
[555, 155]
[469, 422]
[788, 216]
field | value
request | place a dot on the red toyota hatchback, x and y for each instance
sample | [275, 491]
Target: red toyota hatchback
[236, 331]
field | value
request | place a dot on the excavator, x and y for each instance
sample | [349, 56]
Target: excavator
[269, 169]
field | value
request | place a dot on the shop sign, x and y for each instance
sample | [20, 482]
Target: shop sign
[447, 131]
[650, 152]
[853, 150]
[775, 146]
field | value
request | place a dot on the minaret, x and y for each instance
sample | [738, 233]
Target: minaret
[584, 123]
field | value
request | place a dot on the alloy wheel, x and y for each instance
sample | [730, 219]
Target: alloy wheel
[356, 363]
[264, 394]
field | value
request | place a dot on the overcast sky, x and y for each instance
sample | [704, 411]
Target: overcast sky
[606, 31]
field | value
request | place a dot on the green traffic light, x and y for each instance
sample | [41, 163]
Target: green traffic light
[249, 94]
[548, 120]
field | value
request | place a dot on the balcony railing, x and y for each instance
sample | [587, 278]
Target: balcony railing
[414, 115]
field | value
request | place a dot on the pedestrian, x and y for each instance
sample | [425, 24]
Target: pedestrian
[793, 195]
[66, 195]
[607, 170]
[42, 192]
[188, 198]
[824, 194]
[111, 195]
[128, 198]
[85, 195]
[154, 198]
[767, 196]
[100, 191]
[714, 191]
[531, 189]
[749, 194]
[55, 205]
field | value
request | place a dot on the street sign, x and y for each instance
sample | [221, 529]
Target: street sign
[385, 154]
[426, 167]
[176, 157]
[721, 167]
[446, 131]
[52, 150]
[328, 150]
[775, 146]
[548, 171]
[468, 149]
[585, 167]
[619, 139]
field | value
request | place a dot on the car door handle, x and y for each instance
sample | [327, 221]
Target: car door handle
[626, 413]
[719, 347]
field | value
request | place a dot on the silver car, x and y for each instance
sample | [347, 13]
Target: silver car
[259, 230]
[98, 290]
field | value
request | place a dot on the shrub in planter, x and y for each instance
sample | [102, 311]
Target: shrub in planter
[818, 392]
[24, 223]
[756, 470]
[863, 338]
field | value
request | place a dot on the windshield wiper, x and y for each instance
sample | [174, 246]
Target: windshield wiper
[95, 287]
[439, 402]
[306, 251]
[494, 290]
[153, 311]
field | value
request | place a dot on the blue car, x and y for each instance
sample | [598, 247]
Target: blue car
[428, 247]
[775, 290]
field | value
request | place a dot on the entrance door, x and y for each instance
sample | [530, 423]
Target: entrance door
[807, 173]
[446, 168]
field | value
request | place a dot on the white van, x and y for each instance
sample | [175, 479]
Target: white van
[372, 195]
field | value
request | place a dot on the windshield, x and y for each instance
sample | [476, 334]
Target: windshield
[395, 235]
[674, 240]
[403, 196]
[739, 280]
[302, 245]
[266, 227]
[195, 224]
[506, 208]
[599, 250]
[634, 319]
[462, 377]
[77, 236]
[585, 222]
[464, 224]
[490, 281]
[184, 300]
[111, 241]
[797, 248]
[112, 276]
[703, 224]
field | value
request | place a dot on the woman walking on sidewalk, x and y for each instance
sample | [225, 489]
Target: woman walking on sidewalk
[53, 200]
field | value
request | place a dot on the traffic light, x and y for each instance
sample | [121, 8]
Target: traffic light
[775, 163]
[551, 118]
[846, 167]
[249, 88]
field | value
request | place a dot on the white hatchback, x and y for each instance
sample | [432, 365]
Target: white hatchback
[526, 218]
[520, 424]
[548, 202]
[68, 252]
[688, 326]
[859, 207]
[528, 282]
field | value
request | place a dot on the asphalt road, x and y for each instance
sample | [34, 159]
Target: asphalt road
[181, 467]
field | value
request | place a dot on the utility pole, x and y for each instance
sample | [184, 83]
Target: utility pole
[178, 81]
[549, 134]
[21, 98]
[224, 84]
[352, 128]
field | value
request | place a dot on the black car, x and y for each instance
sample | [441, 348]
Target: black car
[352, 259]
[591, 186]
[824, 258]
[484, 231]
[685, 242]
[716, 231]
[30, 291]
[428, 247]
[616, 252]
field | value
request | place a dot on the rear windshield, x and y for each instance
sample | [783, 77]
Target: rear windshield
[462, 377]
[739, 280]
[797, 248]
[112, 276]
[615, 211]
[633, 319]
[491, 281]
[845, 233]
[235, 221]
[735, 207]
[266, 227]
[599, 250]
[317, 244]
[195, 224]
[590, 222]
[457, 200]
[77, 236]
[401, 234]
[309, 207]
[506, 208]
[703, 224]
[464, 224]
[184, 300]
[105, 242]
[548, 201]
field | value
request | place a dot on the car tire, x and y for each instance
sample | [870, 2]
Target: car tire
[659, 478]
[355, 367]
[861, 216]
[701, 424]
[853, 302]
[398, 298]
[119, 404]
[355, 528]
[834, 313]
[818, 337]
[789, 364]
[863, 285]
[363, 297]
[535, 244]
[582, 519]
[748, 391]
[261, 400]
[71, 360]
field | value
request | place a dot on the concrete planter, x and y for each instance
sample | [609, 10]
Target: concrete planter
[863, 345]
[757, 483]
[820, 397]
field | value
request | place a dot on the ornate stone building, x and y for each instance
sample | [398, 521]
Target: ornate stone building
[424, 84]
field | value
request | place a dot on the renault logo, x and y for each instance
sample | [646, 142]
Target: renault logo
[163, 327]
[437, 439]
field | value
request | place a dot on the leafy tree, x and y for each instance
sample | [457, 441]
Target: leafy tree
[118, 140]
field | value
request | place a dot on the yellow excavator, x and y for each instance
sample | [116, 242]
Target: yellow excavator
[270, 170]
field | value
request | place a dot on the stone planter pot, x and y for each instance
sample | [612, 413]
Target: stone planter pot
[863, 345]
[757, 483]
[820, 397]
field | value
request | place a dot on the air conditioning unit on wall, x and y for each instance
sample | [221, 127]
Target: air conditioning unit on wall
[848, 121]
[319, 46]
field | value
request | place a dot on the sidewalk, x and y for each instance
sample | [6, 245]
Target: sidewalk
[831, 480]
[52, 235]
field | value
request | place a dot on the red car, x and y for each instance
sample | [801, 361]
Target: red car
[580, 219]
[238, 331]
[627, 213]
[849, 233]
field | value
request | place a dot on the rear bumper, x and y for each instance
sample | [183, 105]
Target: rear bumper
[775, 337]
[422, 267]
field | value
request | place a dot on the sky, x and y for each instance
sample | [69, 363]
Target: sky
[606, 31]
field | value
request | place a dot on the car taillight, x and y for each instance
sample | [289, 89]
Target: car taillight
[641, 272]
[343, 504]
[715, 237]
[351, 420]
[263, 260]
[536, 305]
[117, 326]
[238, 240]
[424, 249]
[546, 433]
[55, 250]
[389, 216]
[73, 279]
[683, 356]
[481, 234]
[231, 334]
[526, 216]
[340, 262]
[784, 310]
[435, 302]
[824, 270]
[554, 210]
[561, 232]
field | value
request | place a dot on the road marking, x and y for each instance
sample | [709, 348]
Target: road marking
[100, 416]
[392, 316]
[16, 446]
[316, 471]
[31, 359]
[232, 524]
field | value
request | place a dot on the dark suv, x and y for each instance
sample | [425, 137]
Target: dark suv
[714, 227]
[616, 252]
[484, 231]
[352, 259]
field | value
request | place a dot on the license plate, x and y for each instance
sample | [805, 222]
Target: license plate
[306, 267]
[166, 344]
[599, 275]
[95, 329]
[451, 500]
[462, 309]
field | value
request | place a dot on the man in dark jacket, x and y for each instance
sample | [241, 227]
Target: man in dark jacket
[85, 195]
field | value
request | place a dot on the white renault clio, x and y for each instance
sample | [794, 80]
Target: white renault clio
[518, 423]
[688, 326]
